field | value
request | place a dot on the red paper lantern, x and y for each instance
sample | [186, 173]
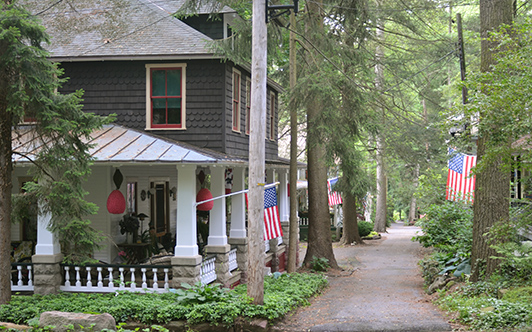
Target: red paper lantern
[203, 195]
[116, 203]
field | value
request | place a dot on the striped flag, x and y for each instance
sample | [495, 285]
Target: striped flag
[334, 197]
[272, 222]
[460, 181]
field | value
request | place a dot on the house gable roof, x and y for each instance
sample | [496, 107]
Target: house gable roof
[119, 29]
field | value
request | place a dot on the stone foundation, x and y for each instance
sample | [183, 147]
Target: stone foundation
[47, 274]
[185, 270]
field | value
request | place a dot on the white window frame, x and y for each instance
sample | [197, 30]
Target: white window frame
[248, 105]
[272, 116]
[183, 67]
[239, 110]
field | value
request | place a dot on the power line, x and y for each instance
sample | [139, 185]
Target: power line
[50, 7]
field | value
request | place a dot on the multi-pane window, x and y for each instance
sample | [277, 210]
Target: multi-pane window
[248, 104]
[236, 100]
[165, 107]
[272, 116]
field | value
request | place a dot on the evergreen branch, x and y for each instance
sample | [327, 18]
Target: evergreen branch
[340, 70]
[34, 163]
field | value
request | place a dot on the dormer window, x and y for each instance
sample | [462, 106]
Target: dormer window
[236, 100]
[165, 96]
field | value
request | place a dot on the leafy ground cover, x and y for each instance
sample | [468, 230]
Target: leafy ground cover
[195, 304]
[500, 303]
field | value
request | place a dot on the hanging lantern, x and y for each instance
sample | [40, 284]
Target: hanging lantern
[116, 203]
[203, 195]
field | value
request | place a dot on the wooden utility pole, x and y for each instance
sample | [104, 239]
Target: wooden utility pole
[293, 243]
[257, 136]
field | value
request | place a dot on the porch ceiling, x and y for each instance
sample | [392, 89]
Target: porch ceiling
[117, 144]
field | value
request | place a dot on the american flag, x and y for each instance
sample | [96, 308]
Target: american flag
[272, 222]
[460, 181]
[334, 197]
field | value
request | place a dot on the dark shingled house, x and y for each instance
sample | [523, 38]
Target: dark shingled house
[182, 124]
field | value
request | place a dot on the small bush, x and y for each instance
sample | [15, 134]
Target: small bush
[449, 224]
[364, 228]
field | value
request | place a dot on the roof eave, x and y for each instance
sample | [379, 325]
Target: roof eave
[162, 57]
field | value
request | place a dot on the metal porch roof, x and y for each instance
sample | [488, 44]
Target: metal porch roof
[117, 144]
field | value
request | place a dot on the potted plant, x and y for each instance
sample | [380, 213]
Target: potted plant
[130, 225]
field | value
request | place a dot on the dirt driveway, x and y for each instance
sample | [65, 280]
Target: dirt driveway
[380, 290]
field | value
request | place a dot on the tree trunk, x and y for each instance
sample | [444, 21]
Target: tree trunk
[382, 189]
[293, 241]
[412, 216]
[6, 167]
[350, 232]
[319, 228]
[492, 187]
[257, 136]
[381, 208]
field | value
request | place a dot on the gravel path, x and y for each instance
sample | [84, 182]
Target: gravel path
[380, 290]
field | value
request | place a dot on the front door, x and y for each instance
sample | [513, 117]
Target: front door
[160, 207]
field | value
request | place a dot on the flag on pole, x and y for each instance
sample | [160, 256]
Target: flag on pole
[272, 222]
[460, 181]
[334, 197]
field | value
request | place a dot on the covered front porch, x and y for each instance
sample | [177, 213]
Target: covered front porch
[161, 182]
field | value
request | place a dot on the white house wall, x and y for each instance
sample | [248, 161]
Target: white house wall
[18, 174]
[99, 188]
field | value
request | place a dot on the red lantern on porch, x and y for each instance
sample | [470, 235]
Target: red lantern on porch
[203, 195]
[116, 203]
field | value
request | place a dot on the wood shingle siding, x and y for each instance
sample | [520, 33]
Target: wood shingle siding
[119, 87]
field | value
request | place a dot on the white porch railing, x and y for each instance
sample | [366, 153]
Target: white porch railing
[233, 265]
[208, 272]
[22, 277]
[111, 278]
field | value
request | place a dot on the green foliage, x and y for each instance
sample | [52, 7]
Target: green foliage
[431, 189]
[447, 226]
[478, 306]
[200, 293]
[364, 228]
[514, 254]
[23, 207]
[319, 264]
[211, 304]
[29, 82]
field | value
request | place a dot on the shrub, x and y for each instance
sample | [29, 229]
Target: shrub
[448, 224]
[364, 228]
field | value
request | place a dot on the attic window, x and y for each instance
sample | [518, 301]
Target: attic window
[165, 96]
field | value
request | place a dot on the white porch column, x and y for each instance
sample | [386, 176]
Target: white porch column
[217, 219]
[186, 237]
[47, 259]
[47, 242]
[238, 205]
[284, 206]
